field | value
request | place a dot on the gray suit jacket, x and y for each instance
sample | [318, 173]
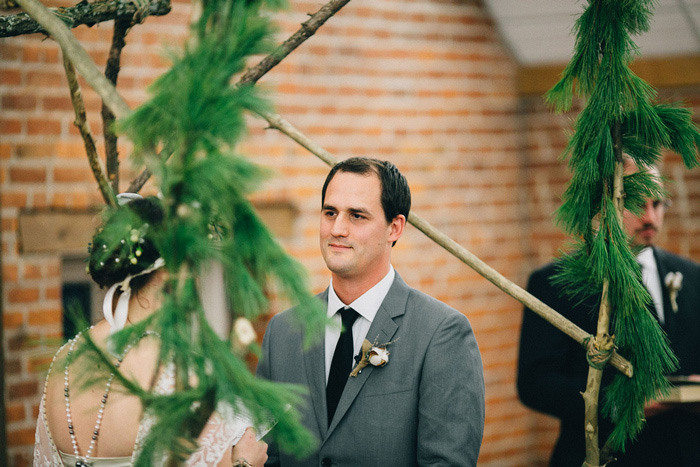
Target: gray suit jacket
[425, 407]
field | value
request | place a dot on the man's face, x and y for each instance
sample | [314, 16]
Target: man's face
[643, 229]
[354, 235]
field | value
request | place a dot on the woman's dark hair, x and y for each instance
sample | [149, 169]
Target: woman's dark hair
[124, 245]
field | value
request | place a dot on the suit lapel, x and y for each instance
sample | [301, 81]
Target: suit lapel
[382, 330]
[664, 267]
[315, 363]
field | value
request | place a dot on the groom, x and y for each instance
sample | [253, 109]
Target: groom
[425, 406]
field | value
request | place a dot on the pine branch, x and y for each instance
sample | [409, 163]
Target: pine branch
[461, 253]
[84, 127]
[252, 76]
[603, 341]
[83, 13]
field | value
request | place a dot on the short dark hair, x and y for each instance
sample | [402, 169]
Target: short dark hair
[396, 196]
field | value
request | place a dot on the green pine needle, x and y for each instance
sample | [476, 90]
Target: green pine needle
[616, 100]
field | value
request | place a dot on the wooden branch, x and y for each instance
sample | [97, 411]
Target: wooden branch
[77, 55]
[603, 340]
[468, 258]
[307, 30]
[121, 27]
[251, 76]
[83, 13]
[84, 127]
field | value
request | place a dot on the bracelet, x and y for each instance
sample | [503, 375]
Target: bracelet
[241, 462]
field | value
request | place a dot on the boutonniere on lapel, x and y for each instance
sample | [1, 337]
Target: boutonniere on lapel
[674, 282]
[372, 354]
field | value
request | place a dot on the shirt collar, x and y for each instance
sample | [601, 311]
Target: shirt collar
[646, 257]
[367, 304]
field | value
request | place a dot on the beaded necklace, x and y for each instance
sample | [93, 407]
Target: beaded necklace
[83, 461]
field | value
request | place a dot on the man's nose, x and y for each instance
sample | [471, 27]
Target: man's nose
[340, 226]
[649, 214]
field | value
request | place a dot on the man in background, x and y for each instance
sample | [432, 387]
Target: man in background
[552, 367]
[425, 404]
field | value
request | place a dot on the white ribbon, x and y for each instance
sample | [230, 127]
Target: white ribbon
[117, 317]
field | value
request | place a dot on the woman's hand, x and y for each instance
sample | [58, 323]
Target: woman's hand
[248, 449]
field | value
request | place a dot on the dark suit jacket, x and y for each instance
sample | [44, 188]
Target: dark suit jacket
[425, 407]
[552, 371]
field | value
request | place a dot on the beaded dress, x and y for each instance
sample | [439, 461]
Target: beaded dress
[221, 432]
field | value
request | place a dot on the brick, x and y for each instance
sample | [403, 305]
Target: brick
[10, 126]
[10, 51]
[13, 367]
[23, 437]
[5, 151]
[53, 293]
[45, 317]
[71, 150]
[31, 271]
[12, 320]
[73, 174]
[9, 273]
[40, 364]
[57, 103]
[9, 224]
[39, 200]
[23, 389]
[14, 413]
[26, 175]
[23, 295]
[47, 79]
[43, 127]
[34, 150]
[18, 102]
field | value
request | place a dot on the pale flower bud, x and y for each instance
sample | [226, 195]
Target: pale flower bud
[378, 356]
[244, 332]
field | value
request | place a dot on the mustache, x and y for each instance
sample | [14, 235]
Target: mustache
[647, 226]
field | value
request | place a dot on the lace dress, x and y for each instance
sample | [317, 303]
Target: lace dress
[221, 432]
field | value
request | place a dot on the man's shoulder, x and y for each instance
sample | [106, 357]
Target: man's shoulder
[548, 269]
[676, 260]
[429, 307]
[289, 315]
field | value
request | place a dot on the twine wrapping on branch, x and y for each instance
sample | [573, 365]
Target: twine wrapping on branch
[598, 353]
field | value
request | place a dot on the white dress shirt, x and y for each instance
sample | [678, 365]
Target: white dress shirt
[652, 281]
[366, 306]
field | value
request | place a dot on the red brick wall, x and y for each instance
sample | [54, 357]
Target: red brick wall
[426, 84]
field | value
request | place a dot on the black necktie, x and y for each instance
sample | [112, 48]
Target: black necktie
[341, 365]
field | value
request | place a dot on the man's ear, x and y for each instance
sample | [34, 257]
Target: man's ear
[396, 227]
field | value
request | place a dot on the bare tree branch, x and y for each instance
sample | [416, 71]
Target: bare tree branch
[77, 55]
[138, 183]
[468, 258]
[603, 341]
[121, 27]
[251, 76]
[307, 30]
[83, 13]
[82, 124]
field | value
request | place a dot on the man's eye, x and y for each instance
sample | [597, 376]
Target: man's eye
[656, 203]
[358, 216]
[329, 213]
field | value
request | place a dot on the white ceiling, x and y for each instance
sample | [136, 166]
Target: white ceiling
[538, 32]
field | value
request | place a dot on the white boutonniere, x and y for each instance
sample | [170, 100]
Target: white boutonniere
[372, 354]
[674, 282]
